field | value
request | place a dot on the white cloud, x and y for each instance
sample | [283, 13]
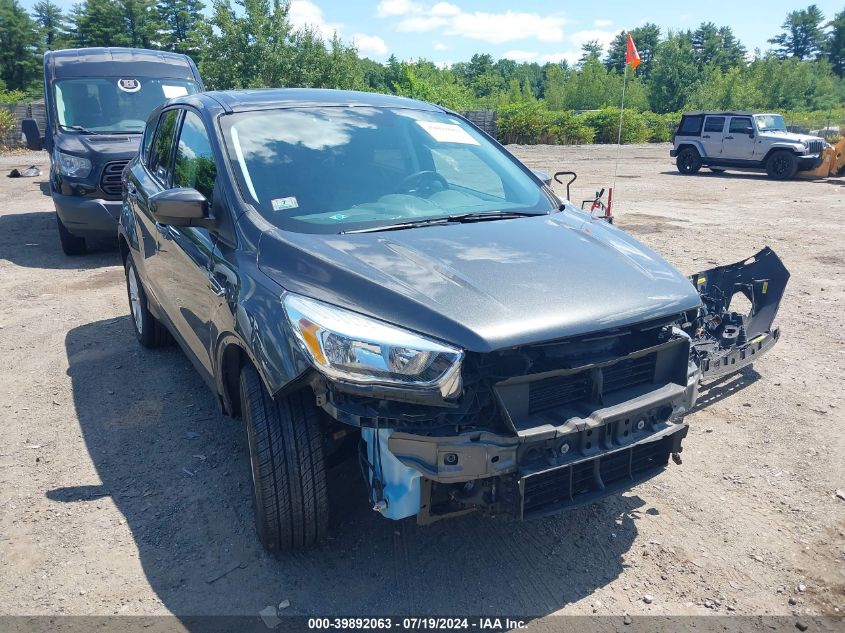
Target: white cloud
[507, 27]
[602, 37]
[603, 23]
[495, 28]
[421, 24]
[391, 8]
[305, 13]
[571, 57]
[439, 46]
[445, 9]
[370, 44]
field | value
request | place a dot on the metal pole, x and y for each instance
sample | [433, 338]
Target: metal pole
[621, 114]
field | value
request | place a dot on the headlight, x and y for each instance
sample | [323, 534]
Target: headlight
[349, 346]
[74, 166]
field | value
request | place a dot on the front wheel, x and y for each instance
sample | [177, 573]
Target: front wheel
[288, 467]
[149, 330]
[688, 161]
[71, 244]
[782, 165]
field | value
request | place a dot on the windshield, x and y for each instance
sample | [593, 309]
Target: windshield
[335, 169]
[115, 104]
[770, 123]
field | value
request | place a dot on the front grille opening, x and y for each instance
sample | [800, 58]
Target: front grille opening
[574, 485]
[555, 392]
[110, 181]
[629, 373]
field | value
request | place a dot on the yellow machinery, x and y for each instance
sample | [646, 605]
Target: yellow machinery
[833, 163]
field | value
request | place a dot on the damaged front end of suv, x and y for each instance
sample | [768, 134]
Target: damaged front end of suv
[541, 427]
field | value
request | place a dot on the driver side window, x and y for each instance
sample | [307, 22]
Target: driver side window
[741, 125]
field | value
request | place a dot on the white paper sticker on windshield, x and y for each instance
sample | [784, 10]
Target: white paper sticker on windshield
[280, 204]
[170, 92]
[447, 133]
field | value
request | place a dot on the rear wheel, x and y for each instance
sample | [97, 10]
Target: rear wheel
[149, 330]
[71, 244]
[782, 165]
[688, 161]
[288, 468]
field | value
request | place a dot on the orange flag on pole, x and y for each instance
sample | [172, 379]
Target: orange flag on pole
[632, 56]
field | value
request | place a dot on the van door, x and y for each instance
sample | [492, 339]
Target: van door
[713, 135]
[739, 141]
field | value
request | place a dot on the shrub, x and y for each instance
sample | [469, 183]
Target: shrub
[12, 96]
[568, 129]
[661, 127]
[524, 122]
[606, 124]
[7, 123]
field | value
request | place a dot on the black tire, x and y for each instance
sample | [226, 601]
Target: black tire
[288, 468]
[782, 165]
[71, 244]
[688, 161]
[717, 170]
[149, 331]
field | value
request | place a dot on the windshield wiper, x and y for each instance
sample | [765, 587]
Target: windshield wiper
[78, 128]
[450, 219]
[400, 226]
[485, 216]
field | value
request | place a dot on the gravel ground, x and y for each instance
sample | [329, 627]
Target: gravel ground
[122, 490]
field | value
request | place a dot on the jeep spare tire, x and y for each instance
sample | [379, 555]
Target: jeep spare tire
[782, 165]
[688, 161]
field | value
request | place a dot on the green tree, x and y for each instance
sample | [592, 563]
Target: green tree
[180, 20]
[646, 38]
[52, 22]
[717, 46]
[676, 74]
[803, 36]
[836, 44]
[140, 23]
[98, 23]
[20, 47]
[590, 50]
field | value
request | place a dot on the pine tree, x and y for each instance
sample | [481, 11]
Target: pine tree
[53, 22]
[20, 47]
[180, 21]
[803, 36]
[646, 38]
[836, 44]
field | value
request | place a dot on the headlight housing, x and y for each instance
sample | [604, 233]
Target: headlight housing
[73, 166]
[348, 346]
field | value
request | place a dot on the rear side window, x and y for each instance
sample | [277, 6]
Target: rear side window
[161, 155]
[690, 126]
[194, 166]
[714, 124]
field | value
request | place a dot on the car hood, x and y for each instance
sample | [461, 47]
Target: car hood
[107, 146]
[485, 285]
[789, 137]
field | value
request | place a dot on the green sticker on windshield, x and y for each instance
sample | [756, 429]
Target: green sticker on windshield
[281, 204]
[338, 216]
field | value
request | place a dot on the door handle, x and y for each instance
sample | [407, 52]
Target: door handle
[215, 285]
[706, 136]
[729, 138]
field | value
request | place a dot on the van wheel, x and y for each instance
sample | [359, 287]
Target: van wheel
[288, 469]
[688, 161]
[71, 244]
[149, 330]
[782, 165]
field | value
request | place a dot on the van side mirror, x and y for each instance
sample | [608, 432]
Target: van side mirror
[30, 130]
[180, 207]
[547, 180]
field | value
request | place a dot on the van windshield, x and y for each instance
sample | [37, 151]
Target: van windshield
[337, 169]
[114, 104]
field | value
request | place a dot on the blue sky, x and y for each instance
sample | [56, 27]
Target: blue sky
[529, 30]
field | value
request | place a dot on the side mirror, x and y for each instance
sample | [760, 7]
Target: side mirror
[547, 180]
[30, 130]
[180, 207]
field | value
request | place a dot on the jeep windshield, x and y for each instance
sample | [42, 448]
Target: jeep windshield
[113, 104]
[770, 123]
[341, 169]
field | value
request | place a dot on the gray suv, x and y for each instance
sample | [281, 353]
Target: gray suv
[745, 141]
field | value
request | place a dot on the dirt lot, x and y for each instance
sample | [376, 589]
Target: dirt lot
[122, 490]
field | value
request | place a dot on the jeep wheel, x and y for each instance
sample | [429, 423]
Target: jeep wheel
[782, 165]
[149, 330]
[688, 161]
[71, 244]
[288, 471]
